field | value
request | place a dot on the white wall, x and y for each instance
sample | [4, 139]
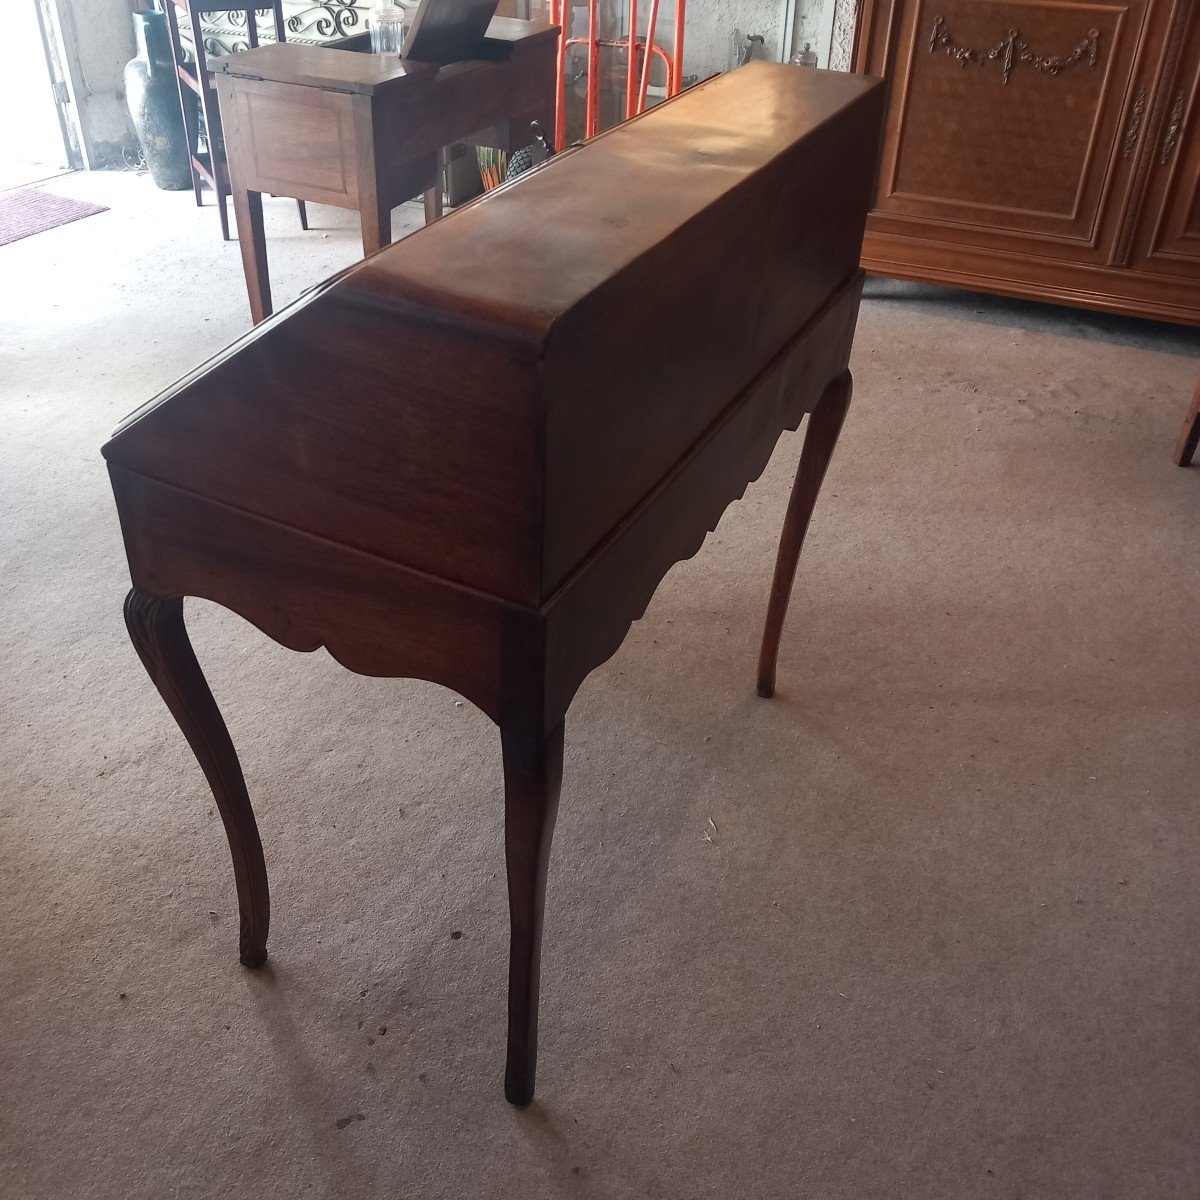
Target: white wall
[709, 23]
[99, 37]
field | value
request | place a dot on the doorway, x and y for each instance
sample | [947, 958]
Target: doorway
[34, 141]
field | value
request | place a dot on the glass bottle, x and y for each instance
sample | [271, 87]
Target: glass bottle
[806, 57]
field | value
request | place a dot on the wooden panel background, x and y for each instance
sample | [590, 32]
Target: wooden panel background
[1033, 155]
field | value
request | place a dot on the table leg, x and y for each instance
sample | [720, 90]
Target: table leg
[433, 203]
[532, 780]
[247, 207]
[376, 217]
[824, 425]
[159, 635]
[1189, 435]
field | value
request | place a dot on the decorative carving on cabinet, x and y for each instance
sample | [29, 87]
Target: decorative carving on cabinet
[1134, 129]
[1083, 191]
[1174, 125]
[1011, 49]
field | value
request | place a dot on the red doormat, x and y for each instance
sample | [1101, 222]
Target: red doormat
[27, 211]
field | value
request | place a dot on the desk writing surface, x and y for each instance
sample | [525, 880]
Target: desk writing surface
[324, 67]
[360, 71]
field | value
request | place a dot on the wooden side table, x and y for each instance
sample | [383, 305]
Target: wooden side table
[209, 167]
[358, 130]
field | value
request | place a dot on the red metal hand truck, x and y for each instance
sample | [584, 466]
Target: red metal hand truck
[643, 48]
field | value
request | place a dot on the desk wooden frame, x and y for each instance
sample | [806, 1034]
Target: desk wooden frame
[334, 125]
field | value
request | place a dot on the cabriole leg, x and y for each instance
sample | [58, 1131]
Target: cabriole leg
[824, 425]
[532, 781]
[158, 633]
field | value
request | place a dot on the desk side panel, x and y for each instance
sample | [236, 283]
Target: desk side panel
[588, 618]
[288, 140]
[639, 370]
[369, 427]
[373, 616]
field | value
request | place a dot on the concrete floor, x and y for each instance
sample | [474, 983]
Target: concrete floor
[926, 925]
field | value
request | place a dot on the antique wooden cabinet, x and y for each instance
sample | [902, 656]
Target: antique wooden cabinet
[1041, 148]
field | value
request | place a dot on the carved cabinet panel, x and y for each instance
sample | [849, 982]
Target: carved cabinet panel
[1022, 142]
[1002, 112]
[1171, 236]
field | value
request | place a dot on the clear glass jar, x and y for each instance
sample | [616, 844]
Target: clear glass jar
[387, 29]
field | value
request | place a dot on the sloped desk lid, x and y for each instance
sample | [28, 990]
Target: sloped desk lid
[442, 403]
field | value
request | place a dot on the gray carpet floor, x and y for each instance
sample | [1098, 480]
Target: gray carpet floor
[925, 925]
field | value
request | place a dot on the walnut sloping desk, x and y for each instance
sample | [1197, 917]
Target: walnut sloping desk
[340, 126]
[472, 458]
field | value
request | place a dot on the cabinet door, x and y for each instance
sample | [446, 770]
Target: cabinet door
[1007, 117]
[1169, 224]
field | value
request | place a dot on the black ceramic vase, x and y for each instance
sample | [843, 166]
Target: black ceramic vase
[153, 99]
